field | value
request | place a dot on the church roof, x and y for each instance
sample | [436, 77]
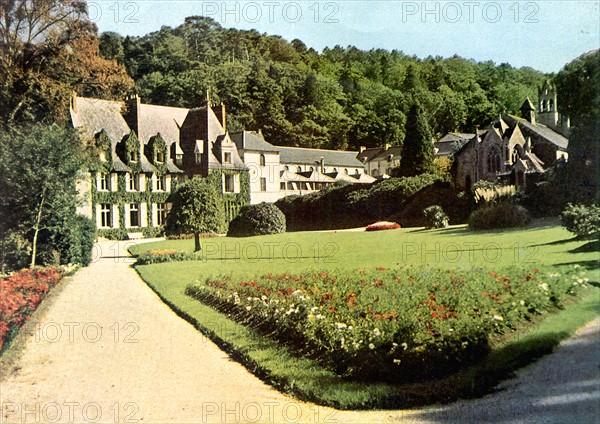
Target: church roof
[367, 155]
[539, 130]
[527, 105]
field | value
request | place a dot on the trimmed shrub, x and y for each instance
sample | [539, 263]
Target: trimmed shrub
[161, 256]
[501, 215]
[255, 220]
[436, 217]
[383, 225]
[581, 220]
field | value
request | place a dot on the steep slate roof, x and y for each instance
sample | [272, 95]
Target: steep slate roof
[94, 115]
[452, 137]
[331, 157]
[368, 154]
[540, 130]
[250, 140]
[160, 119]
[394, 151]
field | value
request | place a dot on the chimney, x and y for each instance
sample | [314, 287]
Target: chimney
[322, 165]
[74, 101]
[132, 116]
[361, 149]
[221, 116]
[387, 146]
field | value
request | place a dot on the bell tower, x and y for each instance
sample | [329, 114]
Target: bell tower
[548, 111]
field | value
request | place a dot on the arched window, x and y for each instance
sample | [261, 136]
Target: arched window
[551, 105]
[515, 156]
[312, 168]
[346, 171]
[299, 169]
[334, 169]
[287, 168]
[263, 160]
[493, 162]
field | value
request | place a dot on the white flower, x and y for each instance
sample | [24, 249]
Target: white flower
[377, 332]
[498, 318]
[371, 346]
[340, 325]
[319, 316]
[405, 346]
[263, 297]
[248, 308]
[544, 286]
[522, 302]
[397, 361]
[314, 309]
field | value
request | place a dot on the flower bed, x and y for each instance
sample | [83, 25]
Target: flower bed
[20, 295]
[392, 325]
[167, 255]
[383, 225]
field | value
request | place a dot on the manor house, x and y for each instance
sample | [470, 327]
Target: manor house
[145, 150]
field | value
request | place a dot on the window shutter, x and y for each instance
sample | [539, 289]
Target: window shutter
[114, 182]
[127, 220]
[143, 214]
[154, 215]
[142, 182]
[236, 183]
[98, 216]
[115, 216]
[167, 183]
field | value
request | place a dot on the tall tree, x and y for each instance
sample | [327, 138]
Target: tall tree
[197, 208]
[417, 154]
[39, 168]
[46, 46]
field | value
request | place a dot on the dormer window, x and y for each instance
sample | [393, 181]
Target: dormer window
[160, 156]
[263, 160]
[134, 156]
[103, 157]
[227, 157]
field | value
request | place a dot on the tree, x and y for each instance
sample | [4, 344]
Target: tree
[197, 208]
[48, 48]
[417, 154]
[39, 168]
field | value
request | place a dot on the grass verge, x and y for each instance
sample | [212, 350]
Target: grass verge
[303, 378]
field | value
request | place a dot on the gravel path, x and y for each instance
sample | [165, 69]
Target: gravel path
[107, 349]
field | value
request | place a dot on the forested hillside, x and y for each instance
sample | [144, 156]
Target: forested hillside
[341, 98]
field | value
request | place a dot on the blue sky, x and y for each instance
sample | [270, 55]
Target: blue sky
[542, 34]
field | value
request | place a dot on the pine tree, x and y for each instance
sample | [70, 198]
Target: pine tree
[417, 154]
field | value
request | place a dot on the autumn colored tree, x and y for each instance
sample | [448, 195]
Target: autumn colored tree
[47, 50]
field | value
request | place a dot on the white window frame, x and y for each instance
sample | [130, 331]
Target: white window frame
[103, 182]
[105, 211]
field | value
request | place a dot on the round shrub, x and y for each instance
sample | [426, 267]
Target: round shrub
[581, 220]
[256, 220]
[435, 217]
[500, 215]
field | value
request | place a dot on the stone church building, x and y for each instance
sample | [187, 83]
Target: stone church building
[515, 149]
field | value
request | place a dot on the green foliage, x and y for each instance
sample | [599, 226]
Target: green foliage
[581, 220]
[161, 256]
[499, 215]
[391, 325]
[340, 98]
[436, 217]
[76, 240]
[417, 153]
[351, 206]
[255, 220]
[197, 208]
[113, 233]
[39, 168]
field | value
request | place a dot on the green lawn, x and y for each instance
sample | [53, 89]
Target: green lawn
[457, 247]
